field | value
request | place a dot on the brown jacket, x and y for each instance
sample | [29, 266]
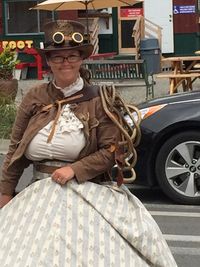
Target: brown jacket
[96, 158]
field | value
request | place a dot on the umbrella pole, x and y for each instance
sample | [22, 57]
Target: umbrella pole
[87, 22]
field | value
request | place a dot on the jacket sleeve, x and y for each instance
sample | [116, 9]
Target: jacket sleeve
[106, 136]
[10, 178]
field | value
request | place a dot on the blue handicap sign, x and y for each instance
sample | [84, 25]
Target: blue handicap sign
[184, 9]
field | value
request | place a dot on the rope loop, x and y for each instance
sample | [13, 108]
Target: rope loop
[123, 116]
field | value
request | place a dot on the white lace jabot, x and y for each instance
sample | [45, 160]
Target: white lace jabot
[67, 122]
[73, 88]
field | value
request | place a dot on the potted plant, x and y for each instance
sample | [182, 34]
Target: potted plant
[8, 85]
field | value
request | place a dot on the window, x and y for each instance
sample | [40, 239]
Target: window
[20, 20]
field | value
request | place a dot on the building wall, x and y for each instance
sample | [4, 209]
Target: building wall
[72, 15]
[186, 30]
[109, 42]
[1, 18]
[186, 23]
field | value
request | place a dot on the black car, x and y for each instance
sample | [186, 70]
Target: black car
[169, 151]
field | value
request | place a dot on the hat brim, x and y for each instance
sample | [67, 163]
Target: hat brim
[86, 49]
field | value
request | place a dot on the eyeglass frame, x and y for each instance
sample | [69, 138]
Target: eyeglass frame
[63, 58]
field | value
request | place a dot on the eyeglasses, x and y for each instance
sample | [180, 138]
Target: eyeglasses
[61, 59]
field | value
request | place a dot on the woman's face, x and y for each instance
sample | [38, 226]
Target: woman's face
[65, 66]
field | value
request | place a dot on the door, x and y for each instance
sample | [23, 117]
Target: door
[129, 24]
[161, 13]
[126, 42]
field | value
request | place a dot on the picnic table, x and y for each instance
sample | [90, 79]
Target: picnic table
[183, 72]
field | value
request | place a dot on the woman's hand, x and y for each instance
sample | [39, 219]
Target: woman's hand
[4, 199]
[63, 175]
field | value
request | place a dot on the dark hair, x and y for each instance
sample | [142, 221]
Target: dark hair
[85, 74]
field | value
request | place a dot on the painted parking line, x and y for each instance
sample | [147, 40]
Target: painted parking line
[175, 214]
[182, 238]
[171, 206]
[185, 251]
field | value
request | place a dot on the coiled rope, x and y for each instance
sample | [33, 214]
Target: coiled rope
[122, 116]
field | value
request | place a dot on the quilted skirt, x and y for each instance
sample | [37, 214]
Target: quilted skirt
[79, 225]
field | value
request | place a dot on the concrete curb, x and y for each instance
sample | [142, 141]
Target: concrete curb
[4, 144]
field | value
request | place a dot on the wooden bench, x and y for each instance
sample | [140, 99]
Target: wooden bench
[131, 73]
[185, 79]
[179, 75]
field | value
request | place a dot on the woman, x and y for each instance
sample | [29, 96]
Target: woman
[75, 216]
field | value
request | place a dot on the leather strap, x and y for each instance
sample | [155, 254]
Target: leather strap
[85, 94]
[46, 169]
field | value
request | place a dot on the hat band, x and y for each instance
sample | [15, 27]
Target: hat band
[67, 43]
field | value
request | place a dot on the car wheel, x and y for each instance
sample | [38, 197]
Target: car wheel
[178, 167]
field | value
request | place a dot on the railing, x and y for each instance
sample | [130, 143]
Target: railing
[153, 30]
[93, 31]
[144, 28]
[138, 34]
[94, 34]
[115, 69]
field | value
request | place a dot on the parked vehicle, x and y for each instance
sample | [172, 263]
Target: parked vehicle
[169, 152]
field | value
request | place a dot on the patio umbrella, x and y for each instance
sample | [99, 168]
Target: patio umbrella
[83, 4]
[58, 5]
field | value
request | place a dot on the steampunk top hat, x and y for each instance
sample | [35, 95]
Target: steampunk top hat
[65, 35]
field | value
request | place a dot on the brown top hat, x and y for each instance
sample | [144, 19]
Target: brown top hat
[64, 35]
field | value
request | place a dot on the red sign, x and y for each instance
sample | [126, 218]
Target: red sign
[131, 12]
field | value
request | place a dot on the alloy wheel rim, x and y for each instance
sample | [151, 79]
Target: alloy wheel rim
[182, 169]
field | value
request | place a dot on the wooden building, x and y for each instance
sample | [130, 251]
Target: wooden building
[186, 15]
[21, 27]
[112, 30]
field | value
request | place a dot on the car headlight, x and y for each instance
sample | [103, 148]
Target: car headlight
[145, 113]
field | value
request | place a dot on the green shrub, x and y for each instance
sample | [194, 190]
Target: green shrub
[8, 60]
[8, 113]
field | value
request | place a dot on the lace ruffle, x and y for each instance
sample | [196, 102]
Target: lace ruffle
[67, 122]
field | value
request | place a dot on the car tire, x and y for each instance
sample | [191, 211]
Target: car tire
[178, 167]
